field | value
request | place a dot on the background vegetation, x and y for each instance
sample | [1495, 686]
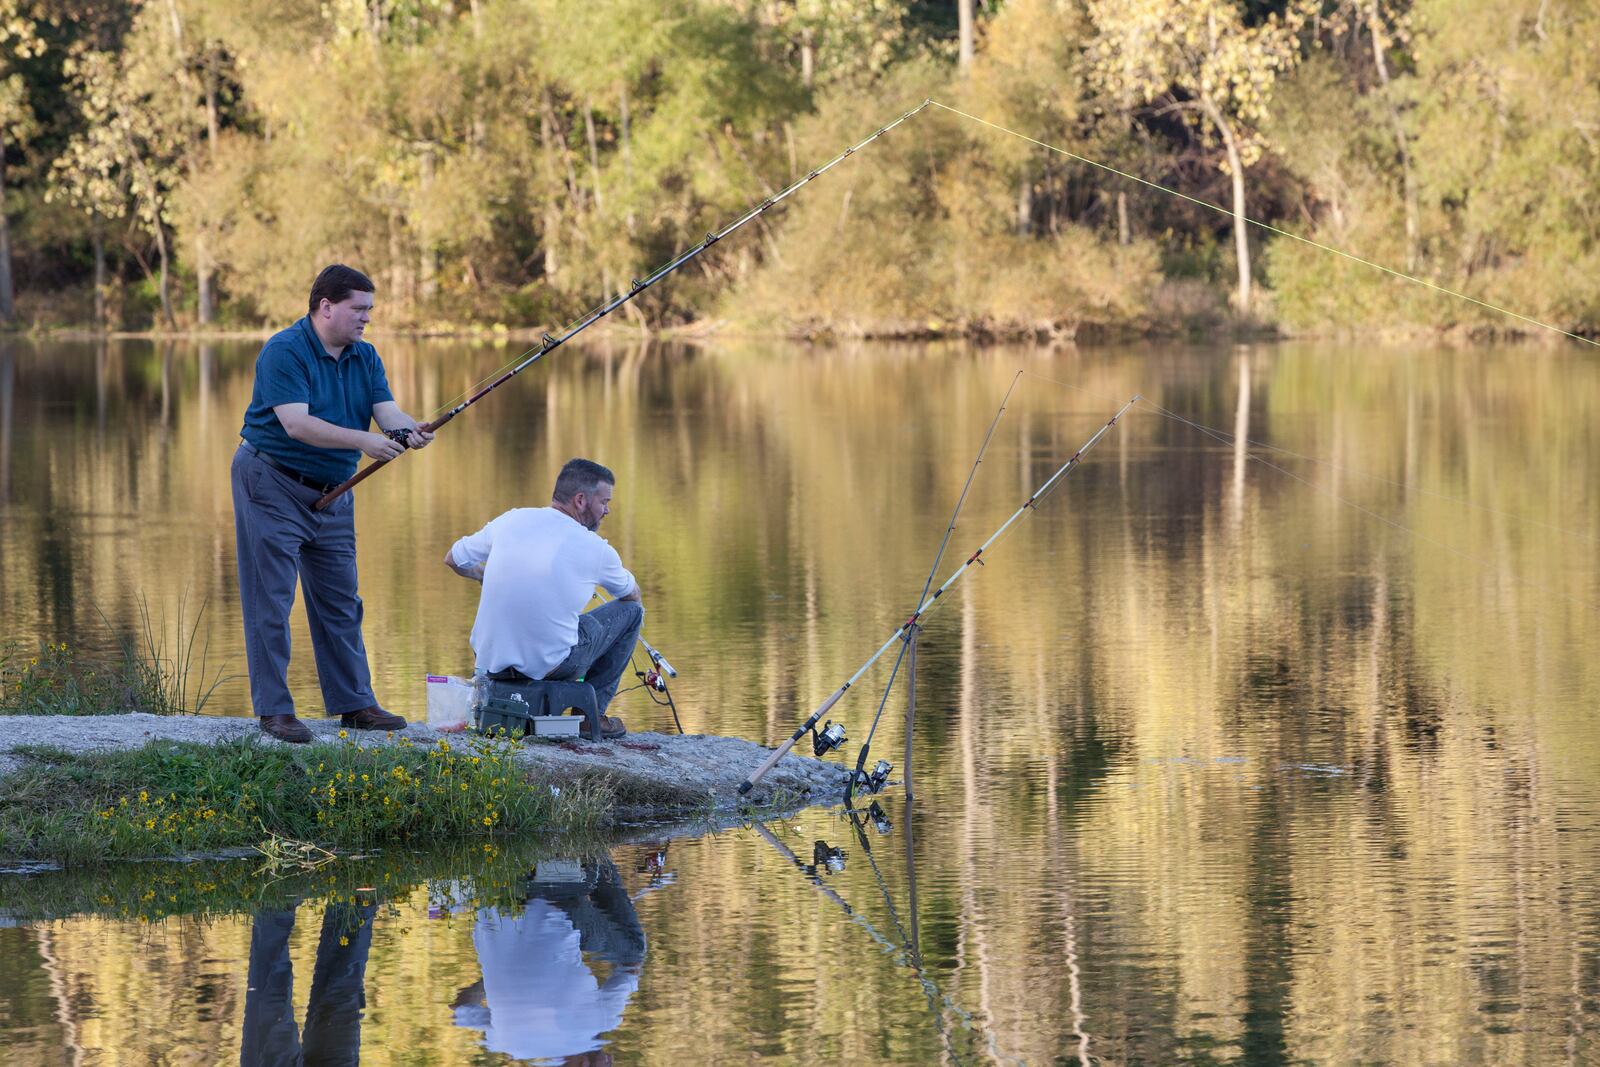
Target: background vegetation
[189, 163]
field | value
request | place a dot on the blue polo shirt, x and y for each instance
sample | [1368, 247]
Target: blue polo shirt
[294, 368]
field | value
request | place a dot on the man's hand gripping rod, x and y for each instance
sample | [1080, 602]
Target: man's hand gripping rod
[927, 605]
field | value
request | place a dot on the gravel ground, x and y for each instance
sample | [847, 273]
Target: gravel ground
[678, 770]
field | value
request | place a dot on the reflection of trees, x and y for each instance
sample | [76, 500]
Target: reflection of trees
[1172, 605]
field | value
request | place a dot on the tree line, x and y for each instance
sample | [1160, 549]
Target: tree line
[189, 163]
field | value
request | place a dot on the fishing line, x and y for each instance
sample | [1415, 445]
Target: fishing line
[1269, 227]
[1225, 437]
[550, 343]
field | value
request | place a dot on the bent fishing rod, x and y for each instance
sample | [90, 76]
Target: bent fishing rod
[832, 736]
[549, 344]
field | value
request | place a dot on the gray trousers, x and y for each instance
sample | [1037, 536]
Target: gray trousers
[281, 540]
[606, 637]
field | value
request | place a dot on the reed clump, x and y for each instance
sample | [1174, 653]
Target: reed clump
[157, 668]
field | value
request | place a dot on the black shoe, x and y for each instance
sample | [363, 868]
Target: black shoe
[285, 728]
[373, 718]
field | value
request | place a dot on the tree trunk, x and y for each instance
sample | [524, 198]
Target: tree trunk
[8, 304]
[808, 59]
[552, 217]
[964, 18]
[627, 153]
[1402, 142]
[480, 130]
[1124, 232]
[427, 261]
[594, 154]
[1241, 234]
[162, 275]
[202, 271]
[98, 241]
[1025, 205]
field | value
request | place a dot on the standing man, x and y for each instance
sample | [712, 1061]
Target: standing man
[539, 568]
[318, 387]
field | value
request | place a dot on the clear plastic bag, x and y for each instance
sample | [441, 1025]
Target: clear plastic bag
[449, 703]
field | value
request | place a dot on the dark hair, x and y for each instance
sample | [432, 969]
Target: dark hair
[580, 476]
[335, 284]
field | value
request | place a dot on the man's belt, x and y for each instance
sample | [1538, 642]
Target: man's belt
[510, 674]
[309, 483]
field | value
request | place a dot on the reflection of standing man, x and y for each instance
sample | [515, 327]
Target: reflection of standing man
[318, 386]
[338, 995]
[538, 998]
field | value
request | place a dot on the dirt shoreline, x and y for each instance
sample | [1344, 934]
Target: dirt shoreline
[655, 774]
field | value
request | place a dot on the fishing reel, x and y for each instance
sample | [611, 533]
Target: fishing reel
[830, 737]
[653, 679]
[400, 435]
[880, 819]
[825, 857]
[874, 780]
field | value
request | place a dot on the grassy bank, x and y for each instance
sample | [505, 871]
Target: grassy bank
[170, 798]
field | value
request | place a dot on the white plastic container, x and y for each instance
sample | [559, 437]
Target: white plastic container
[449, 703]
[556, 725]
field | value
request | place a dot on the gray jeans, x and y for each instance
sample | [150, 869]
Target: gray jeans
[606, 637]
[281, 541]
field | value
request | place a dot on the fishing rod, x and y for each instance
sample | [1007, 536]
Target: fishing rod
[549, 344]
[873, 782]
[654, 680]
[833, 734]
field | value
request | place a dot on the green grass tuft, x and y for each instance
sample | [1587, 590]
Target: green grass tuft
[170, 798]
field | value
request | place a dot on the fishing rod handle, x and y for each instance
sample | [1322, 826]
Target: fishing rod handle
[362, 475]
[783, 749]
[660, 661]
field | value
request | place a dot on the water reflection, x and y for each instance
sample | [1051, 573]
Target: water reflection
[1211, 766]
[539, 997]
[332, 1033]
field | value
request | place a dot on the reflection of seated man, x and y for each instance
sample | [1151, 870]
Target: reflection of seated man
[538, 998]
[539, 568]
[333, 1016]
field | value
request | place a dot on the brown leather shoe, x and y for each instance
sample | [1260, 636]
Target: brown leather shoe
[285, 728]
[610, 729]
[372, 718]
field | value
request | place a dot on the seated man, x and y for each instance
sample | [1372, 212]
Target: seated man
[539, 568]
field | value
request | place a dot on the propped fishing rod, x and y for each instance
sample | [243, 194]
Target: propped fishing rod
[880, 773]
[654, 680]
[833, 735]
[550, 344]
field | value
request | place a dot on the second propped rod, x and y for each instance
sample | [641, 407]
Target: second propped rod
[833, 735]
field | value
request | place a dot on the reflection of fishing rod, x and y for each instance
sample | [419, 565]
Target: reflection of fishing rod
[833, 735]
[550, 344]
[874, 781]
[904, 954]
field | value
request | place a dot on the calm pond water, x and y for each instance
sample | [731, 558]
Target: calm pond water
[1266, 756]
